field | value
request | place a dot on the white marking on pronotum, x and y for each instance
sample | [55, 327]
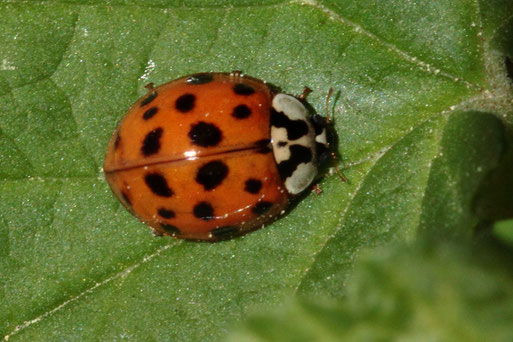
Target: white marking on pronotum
[304, 173]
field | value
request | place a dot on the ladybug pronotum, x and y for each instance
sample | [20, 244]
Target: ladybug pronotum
[212, 156]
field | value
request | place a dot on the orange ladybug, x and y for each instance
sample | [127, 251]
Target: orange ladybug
[211, 156]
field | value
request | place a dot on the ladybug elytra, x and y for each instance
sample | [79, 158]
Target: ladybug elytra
[211, 156]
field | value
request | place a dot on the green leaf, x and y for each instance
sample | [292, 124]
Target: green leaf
[422, 106]
[426, 292]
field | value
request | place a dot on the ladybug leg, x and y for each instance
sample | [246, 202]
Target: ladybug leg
[317, 189]
[156, 233]
[305, 93]
[150, 86]
[337, 170]
[236, 73]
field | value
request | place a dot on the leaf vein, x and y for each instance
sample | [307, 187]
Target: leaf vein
[424, 66]
[339, 225]
[180, 6]
[122, 273]
[501, 26]
[429, 170]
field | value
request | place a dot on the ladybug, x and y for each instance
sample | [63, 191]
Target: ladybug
[211, 156]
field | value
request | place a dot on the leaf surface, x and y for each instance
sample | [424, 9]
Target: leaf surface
[421, 100]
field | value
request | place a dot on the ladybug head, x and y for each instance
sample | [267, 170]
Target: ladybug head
[323, 138]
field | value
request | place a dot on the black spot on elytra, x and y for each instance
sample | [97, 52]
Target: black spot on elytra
[298, 154]
[295, 128]
[253, 186]
[241, 112]
[225, 232]
[151, 143]
[185, 103]
[166, 213]
[243, 89]
[263, 146]
[170, 229]
[203, 211]
[262, 207]
[158, 184]
[212, 174]
[149, 98]
[205, 134]
[117, 141]
[150, 113]
[125, 197]
[197, 79]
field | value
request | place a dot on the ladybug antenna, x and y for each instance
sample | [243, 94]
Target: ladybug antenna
[328, 117]
[305, 93]
[333, 155]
